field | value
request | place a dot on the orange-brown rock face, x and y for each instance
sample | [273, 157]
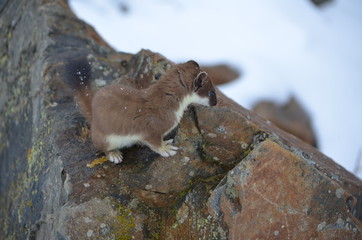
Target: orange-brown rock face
[277, 194]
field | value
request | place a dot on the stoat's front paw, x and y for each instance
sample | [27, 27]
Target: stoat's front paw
[115, 156]
[167, 149]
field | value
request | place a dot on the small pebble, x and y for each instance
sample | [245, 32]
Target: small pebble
[212, 135]
[90, 233]
[185, 160]
[339, 192]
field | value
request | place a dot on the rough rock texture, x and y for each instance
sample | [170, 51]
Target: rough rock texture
[291, 117]
[274, 193]
[236, 176]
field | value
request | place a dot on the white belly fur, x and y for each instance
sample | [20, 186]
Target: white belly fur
[187, 100]
[121, 141]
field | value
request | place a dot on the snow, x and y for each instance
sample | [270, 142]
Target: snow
[282, 47]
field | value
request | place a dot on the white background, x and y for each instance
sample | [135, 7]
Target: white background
[282, 47]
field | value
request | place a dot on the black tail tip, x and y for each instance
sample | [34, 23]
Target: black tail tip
[77, 72]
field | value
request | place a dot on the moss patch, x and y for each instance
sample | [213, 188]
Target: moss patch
[124, 224]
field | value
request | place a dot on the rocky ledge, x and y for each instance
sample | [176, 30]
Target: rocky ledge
[236, 176]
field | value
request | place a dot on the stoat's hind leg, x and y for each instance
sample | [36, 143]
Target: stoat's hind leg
[115, 156]
[164, 148]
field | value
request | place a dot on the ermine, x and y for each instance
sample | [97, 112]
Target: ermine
[121, 116]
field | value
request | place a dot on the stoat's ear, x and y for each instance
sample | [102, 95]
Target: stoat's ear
[194, 63]
[200, 80]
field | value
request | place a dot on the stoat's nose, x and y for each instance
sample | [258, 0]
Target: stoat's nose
[212, 98]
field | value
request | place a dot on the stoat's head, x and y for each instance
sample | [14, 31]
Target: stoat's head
[204, 90]
[203, 87]
[197, 83]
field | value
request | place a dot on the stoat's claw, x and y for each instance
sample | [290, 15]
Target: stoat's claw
[115, 156]
[164, 154]
[173, 147]
[169, 141]
[172, 152]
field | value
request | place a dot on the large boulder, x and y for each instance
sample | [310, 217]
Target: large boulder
[291, 117]
[320, 3]
[235, 176]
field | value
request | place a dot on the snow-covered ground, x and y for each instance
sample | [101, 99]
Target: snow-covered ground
[282, 47]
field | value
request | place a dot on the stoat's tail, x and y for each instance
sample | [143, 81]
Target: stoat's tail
[77, 74]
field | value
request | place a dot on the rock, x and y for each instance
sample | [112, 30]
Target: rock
[291, 117]
[232, 167]
[319, 3]
[221, 73]
[275, 193]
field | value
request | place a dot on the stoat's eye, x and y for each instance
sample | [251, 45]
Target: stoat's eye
[212, 93]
